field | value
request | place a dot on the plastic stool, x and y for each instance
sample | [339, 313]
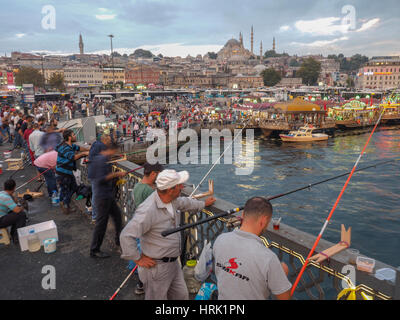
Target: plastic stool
[4, 237]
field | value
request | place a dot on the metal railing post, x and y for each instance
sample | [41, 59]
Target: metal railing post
[397, 286]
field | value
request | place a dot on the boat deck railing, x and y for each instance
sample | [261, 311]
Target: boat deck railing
[319, 282]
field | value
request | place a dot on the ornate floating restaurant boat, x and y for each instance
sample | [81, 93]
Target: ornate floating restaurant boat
[391, 107]
[304, 134]
[289, 116]
[355, 114]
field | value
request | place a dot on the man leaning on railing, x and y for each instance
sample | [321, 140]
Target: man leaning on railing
[244, 267]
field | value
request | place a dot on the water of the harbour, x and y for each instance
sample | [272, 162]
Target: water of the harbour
[370, 204]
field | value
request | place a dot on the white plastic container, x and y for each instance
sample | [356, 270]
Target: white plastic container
[7, 154]
[33, 241]
[43, 230]
[365, 264]
[386, 274]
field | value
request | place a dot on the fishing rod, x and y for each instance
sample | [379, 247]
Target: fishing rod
[231, 211]
[32, 179]
[219, 158]
[81, 127]
[333, 209]
[25, 164]
[123, 283]
[72, 125]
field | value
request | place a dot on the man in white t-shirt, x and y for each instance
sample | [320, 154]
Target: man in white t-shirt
[245, 268]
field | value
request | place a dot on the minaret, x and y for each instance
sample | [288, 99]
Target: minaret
[273, 45]
[261, 53]
[80, 44]
[241, 39]
[252, 40]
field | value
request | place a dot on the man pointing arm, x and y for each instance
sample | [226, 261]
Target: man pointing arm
[159, 269]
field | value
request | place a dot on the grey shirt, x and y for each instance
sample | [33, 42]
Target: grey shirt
[150, 219]
[246, 269]
[34, 143]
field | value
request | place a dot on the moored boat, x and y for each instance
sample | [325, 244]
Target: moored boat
[355, 114]
[304, 134]
[391, 108]
[287, 116]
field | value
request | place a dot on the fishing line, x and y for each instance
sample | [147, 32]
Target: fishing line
[333, 208]
[231, 211]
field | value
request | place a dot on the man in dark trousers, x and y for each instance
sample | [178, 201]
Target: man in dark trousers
[95, 149]
[66, 157]
[10, 213]
[104, 202]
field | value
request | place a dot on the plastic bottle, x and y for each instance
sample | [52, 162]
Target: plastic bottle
[188, 273]
[33, 241]
[55, 199]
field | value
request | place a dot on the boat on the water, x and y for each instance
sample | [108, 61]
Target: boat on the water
[304, 134]
[355, 114]
[291, 115]
[391, 108]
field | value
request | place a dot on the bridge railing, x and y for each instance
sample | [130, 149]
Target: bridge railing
[320, 281]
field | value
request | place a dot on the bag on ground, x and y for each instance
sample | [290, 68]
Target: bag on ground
[204, 266]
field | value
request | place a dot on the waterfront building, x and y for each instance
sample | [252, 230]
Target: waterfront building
[380, 73]
[142, 74]
[290, 83]
[246, 81]
[6, 79]
[83, 76]
[117, 76]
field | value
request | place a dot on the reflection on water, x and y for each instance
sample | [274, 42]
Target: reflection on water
[370, 205]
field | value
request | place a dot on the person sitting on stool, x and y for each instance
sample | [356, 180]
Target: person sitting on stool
[11, 214]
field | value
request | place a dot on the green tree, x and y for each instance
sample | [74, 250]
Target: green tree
[212, 55]
[140, 53]
[271, 77]
[120, 83]
[29, 75]
[294, 63]
[309, 71]
[273, 54]
[57, 81]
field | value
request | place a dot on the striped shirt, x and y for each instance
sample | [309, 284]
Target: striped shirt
[7, 203]
[65, 158]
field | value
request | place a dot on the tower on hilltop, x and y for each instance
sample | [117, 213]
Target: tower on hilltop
[252, 39]
[241, 38]
[261, 53]
[80, 44]
[273, 44]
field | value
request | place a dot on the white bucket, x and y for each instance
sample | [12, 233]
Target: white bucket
[50, 245]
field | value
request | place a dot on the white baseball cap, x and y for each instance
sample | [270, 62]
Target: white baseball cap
[167, 179]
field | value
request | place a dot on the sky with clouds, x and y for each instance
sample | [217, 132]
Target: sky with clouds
[182, 27]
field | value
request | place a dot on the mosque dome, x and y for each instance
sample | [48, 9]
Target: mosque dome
[232, 43]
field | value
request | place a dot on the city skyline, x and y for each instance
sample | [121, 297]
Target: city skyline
[179, 28]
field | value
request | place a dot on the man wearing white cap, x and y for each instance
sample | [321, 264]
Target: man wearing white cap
[159, 269]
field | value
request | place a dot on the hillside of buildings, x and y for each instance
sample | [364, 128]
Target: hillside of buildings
[233, 67]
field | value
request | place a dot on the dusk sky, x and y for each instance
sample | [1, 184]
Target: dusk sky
[182, 27]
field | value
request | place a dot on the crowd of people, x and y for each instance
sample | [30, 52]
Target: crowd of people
[244, 267]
